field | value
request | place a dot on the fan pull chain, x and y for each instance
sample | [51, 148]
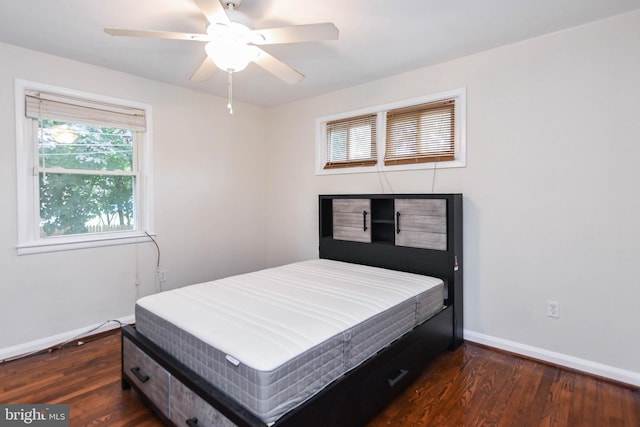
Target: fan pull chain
[230, 86]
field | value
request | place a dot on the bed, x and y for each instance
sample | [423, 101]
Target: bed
[324, 342]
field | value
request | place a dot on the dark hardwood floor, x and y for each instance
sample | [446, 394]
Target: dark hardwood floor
[472, 386]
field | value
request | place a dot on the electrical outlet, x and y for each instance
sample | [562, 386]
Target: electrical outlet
[162, 275]
[553, 309]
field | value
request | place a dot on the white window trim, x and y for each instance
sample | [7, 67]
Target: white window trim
[460, 95]
[29, 241]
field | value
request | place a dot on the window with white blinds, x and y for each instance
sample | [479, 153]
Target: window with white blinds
[84, 169]
[351, 142]
[420, 133]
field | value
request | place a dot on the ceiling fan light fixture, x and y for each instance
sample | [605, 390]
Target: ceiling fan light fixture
[231, 56]
[231, 42]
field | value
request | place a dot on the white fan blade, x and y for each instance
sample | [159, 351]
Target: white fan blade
[156, 34]
[278, 68]
[204, 71]
[213, 10]
[298, 33]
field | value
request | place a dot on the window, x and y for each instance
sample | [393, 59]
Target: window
[84, 169]
[420, 133]
[351, 142]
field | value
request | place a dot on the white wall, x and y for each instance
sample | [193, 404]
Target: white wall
[551, 201]
[209, 192]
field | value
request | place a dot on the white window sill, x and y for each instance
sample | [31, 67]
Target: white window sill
[66, 243]
[458, 163]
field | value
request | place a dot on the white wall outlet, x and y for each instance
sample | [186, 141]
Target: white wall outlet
[553, 309]
[162, 275]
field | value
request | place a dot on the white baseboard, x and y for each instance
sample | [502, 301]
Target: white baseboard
[594, 368]
[44, 343]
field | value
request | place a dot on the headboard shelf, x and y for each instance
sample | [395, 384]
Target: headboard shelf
[417, 233]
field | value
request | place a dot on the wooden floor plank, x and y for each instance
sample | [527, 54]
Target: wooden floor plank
[473, 386]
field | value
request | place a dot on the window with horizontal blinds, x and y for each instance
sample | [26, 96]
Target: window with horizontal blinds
[424, 132]
[84, 169]
[421, 133]
[42, 105]
[351, 142]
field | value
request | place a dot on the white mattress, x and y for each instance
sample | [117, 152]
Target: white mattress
[262, 321]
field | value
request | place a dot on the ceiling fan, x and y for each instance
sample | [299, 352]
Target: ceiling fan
[232, 42]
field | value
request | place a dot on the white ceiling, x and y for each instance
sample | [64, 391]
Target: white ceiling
[377, 38]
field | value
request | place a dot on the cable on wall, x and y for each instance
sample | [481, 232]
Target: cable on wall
[381, 174]
[157, 277]
[157, 248]
[433, 178]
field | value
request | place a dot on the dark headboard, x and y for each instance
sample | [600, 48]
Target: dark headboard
[383, 251]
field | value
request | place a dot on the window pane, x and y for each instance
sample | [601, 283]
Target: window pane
[351, 142]
[421, 133]
[338, 145]
[401, 137]
[360, 142]
[85, 147]
[77, 204]
[437, 132]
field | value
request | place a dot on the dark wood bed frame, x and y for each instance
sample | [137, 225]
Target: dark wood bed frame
[360, 394]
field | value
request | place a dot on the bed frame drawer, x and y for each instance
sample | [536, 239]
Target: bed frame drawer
[146, 375]
[187, 408]
[400, 366]
[386, 382]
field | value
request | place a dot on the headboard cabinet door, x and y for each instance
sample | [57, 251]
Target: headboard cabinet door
[352, 220]
[421, 223]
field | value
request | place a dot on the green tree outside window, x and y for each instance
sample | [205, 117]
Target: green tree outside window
[87, 178]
